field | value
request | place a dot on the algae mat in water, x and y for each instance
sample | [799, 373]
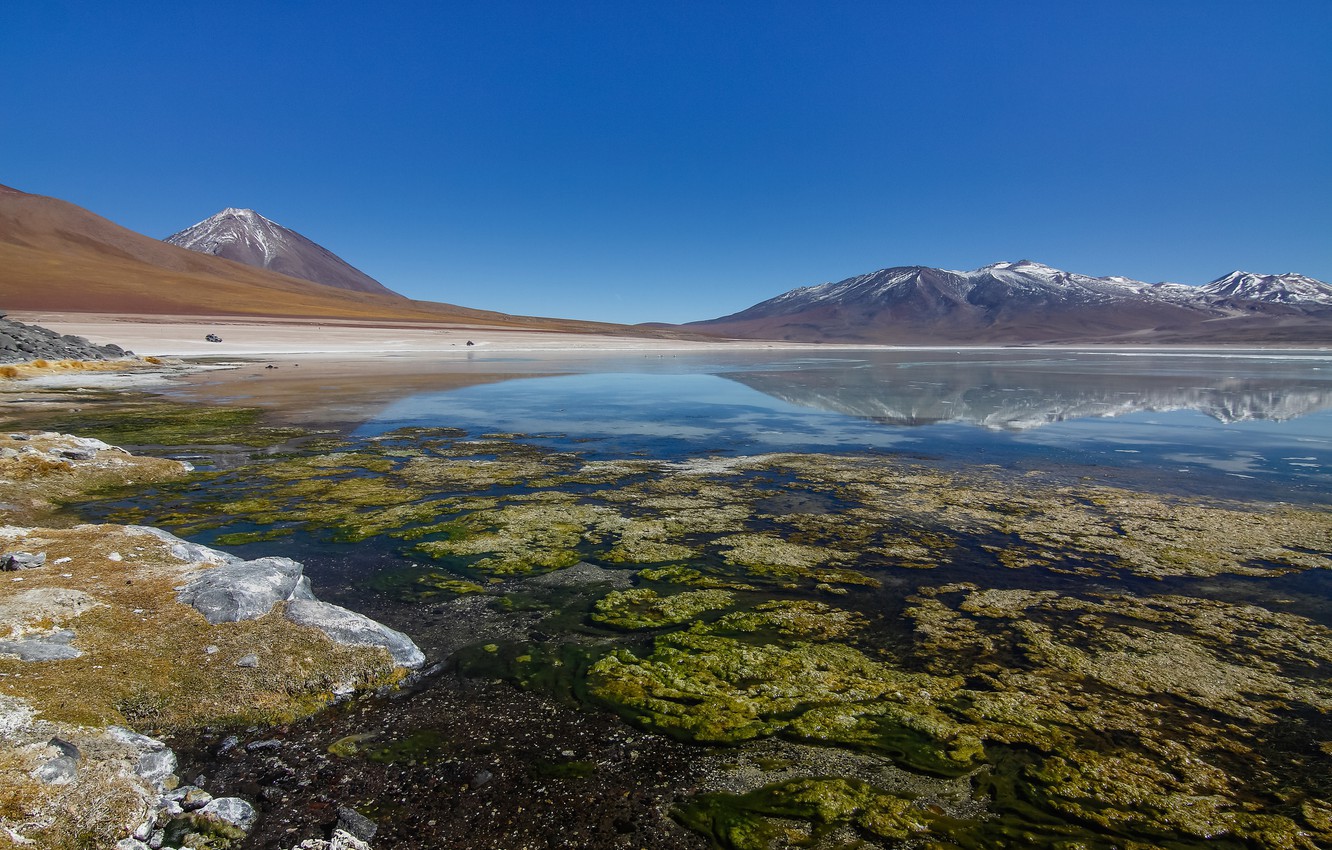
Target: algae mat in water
[1062, 651]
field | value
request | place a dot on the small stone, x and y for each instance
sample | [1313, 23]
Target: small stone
[22, 561]
[269, 744]
[482, 777]
[131, 844]
[114, 556]
[58, 771]
[211, 649]
[228, 744]
[343, 840]
[250, 660]
[352, 821]
[157, 767]
[195, 798]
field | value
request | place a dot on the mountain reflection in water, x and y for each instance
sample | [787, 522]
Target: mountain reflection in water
[1020, 395]
[1195, 422]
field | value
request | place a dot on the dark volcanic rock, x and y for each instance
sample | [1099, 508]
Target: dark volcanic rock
[20, 343]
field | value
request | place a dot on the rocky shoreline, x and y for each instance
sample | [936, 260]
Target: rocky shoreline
[20, 343]
[92, 610]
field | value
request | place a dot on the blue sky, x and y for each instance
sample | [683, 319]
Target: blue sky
[633, 161]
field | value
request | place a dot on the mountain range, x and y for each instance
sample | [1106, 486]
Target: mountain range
[247, 237]
[58, 256]
[1027, 302]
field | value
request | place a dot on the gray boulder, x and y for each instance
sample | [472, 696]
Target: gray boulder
[48, 647]
[348, 627]
[184, 550]
[245, 590]
[20, 342]
[231, 810]
[62, 768]
[155, 763]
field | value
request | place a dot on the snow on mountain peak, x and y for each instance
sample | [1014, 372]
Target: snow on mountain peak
[245, 236]
[1288, 288]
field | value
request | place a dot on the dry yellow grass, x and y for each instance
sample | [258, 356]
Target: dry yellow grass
[148, 662]
[145, 662]
[35, 482]
[37, 368]
[93, 811]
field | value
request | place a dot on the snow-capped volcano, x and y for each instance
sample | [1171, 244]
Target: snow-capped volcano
[1026, 301]
[1289, 288]
[247, 237]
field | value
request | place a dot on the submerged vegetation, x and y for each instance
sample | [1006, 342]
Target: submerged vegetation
[1051, 647]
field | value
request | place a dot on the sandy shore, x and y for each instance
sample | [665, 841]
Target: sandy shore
[183, 336]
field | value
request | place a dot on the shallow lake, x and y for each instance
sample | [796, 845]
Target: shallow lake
[767, 599]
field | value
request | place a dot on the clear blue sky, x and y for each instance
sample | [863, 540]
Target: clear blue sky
[639, 161]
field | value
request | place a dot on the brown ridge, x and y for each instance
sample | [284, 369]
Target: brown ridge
[56, 256]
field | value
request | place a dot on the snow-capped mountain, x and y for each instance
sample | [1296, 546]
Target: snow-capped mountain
[1289, 288]
[1025, 301]
[247, 237]
[999, 396]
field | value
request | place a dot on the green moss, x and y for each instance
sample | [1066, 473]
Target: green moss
[754, 820]
[520, 538]
[565, 769]
[641, 608]
[349, 745]
[678, 574]
[162, 423]
[242, 538]
[452, 584]
[715, 689]
[419, 746]
[794, 617]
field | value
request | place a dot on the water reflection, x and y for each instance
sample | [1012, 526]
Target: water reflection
[1021, 394]
[1203, 422]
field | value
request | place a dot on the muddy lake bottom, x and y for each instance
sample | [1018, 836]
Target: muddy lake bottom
[1010, 599]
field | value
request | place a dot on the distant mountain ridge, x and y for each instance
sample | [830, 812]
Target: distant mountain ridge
[1289, 288]
[1028, 302]
[245, 236]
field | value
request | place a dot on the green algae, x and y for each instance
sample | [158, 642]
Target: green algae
[642, 608]
[753, 821]
[793, 617]
[419, 746]
[1084, 719]
[710, 688]
[679, 574]
[521, 538]
[162, 423]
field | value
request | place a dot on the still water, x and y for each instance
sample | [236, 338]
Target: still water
[1243, 424]
[973, 599]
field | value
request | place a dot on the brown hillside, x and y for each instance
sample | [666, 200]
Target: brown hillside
[56, 256]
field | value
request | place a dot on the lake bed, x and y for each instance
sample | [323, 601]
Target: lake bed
[1072, 599]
